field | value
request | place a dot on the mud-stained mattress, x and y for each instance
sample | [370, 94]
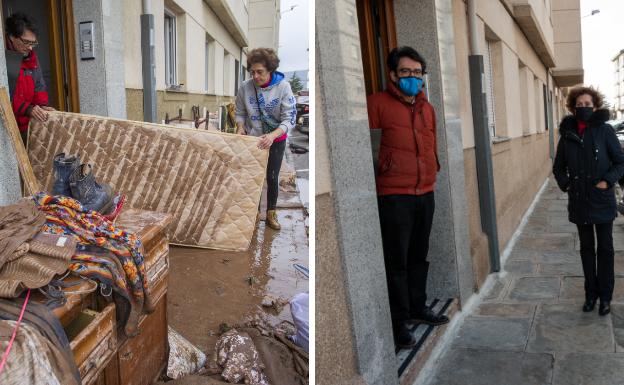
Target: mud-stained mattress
[210, 182]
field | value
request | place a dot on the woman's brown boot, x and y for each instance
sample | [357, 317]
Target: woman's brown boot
[271, 220]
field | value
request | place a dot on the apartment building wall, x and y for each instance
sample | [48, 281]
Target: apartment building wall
[520, 143]
[207, 49]
[264, 24]
[618, 81]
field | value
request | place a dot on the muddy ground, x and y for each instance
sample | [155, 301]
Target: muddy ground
[211, 287]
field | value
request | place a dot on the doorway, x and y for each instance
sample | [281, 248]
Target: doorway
[56, 49]
[377, 39]
[378, 36]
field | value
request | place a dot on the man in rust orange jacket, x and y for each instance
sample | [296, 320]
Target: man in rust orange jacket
[406, 176]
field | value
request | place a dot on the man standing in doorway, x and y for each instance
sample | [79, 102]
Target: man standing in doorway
[29, 96]
[406, 175]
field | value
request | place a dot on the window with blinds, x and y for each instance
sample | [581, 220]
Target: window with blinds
[489, 89]
[170, 49]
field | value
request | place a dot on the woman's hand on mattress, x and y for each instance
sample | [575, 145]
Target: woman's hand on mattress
[266, 141]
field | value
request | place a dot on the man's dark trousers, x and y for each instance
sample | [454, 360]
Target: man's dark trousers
[405, 227]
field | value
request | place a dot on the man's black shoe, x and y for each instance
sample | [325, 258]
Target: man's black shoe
[605, 307]
[589, 305]
[429, 318]
[403, 339]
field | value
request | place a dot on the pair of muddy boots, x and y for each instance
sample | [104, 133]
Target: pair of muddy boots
[75, 180]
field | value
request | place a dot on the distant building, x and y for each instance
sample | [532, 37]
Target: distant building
[618, 105]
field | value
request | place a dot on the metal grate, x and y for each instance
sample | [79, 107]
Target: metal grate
[420, 332]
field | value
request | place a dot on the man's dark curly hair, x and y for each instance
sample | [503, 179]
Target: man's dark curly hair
[396, 54]
[18, 22]
[597, 97]
[265, 56]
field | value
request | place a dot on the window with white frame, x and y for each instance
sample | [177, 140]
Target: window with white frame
[207, 66]
[237, 76]
[538, 97]
[489, 88]
[524, 98]
[170, 49]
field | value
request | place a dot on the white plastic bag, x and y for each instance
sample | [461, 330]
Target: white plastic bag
[184, 357]
[299, 306]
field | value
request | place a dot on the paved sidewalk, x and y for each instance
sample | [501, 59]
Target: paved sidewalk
[530, 328]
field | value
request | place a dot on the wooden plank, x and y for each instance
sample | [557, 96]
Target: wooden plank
[70, 55]
[56, 62]
[31, 185]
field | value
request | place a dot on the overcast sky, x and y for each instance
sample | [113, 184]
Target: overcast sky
[603, 38]
[294, 36]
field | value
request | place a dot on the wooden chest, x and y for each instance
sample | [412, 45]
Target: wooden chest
[103, 353]
[139, 360]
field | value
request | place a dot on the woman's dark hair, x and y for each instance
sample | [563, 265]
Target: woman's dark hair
[396, 54]
[265, 56]
[18, 22]
[597, 97]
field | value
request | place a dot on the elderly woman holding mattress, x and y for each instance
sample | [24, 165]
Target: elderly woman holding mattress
[266, 108]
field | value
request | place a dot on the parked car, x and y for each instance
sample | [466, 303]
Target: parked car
[303, 114]
[618, 124]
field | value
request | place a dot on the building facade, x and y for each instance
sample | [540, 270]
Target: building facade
[618, 90]
[264, 23]
[531, 53]
[199, 49]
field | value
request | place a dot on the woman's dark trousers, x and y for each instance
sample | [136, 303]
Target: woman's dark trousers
[276, 154]
[597, 262]
[405, 227]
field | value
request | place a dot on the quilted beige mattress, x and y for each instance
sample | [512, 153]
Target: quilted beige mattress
[210, 182]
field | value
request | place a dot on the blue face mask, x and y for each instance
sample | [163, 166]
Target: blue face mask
[410, 86]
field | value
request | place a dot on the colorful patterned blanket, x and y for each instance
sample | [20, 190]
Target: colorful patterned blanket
[119, 264]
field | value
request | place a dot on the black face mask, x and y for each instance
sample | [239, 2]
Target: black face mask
[584, 113]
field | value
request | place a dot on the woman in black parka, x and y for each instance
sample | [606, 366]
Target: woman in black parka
[588, 164]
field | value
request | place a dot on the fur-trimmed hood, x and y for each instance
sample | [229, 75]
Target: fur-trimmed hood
[597, 119]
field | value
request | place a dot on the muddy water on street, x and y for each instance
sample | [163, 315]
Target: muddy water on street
[210, 287]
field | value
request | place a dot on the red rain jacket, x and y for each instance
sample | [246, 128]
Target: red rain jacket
[408, 157]
[30, 90]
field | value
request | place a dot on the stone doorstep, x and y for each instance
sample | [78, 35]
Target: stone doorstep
[423, 352]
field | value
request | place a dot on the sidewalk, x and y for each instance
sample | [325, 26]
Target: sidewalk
[530, 328]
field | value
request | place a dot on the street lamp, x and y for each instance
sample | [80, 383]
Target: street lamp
[593, 12]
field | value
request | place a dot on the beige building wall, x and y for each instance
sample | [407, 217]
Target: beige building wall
[566, 15]
[521, 149]
[264, 19]
[210, 37]
[196, 23]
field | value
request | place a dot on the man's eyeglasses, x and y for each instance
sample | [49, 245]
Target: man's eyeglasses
[403, 72]
[29, 43]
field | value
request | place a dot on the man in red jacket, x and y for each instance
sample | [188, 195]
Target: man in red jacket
[406, 175]
[29, 97]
